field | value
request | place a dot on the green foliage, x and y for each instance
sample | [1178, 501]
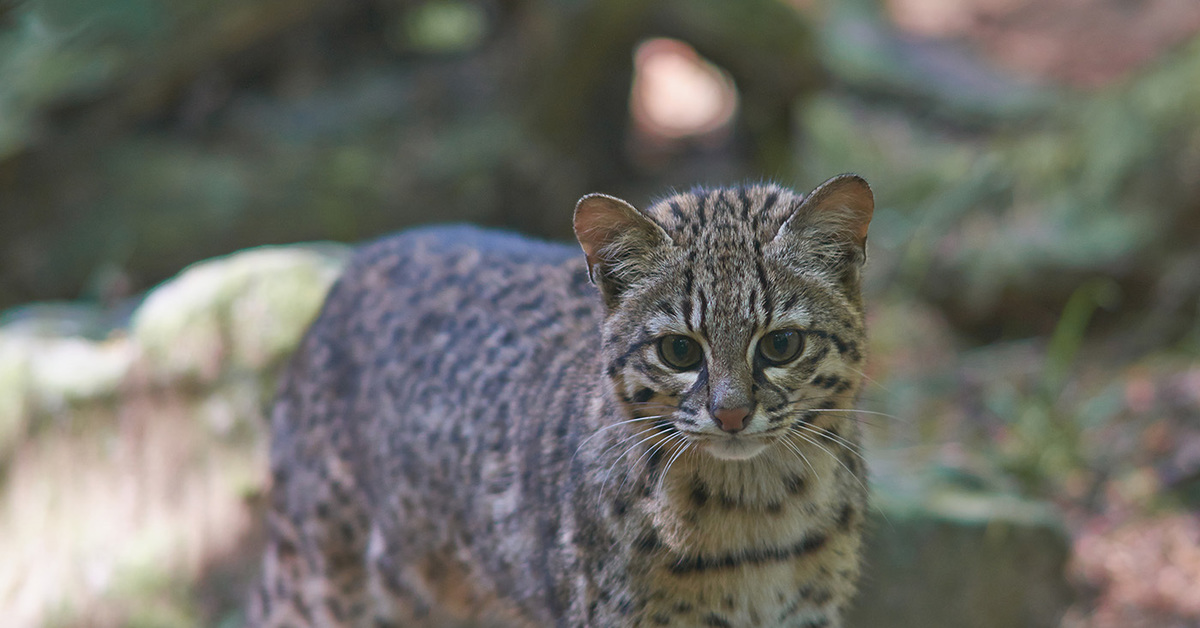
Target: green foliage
[443, 26]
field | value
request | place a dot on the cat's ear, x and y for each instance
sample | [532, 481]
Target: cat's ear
[618, 240]
[831, 224]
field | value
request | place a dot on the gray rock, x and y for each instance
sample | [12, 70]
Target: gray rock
[951, 558]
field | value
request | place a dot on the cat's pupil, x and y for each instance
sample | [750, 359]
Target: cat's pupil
[680, 352]
[780, 347]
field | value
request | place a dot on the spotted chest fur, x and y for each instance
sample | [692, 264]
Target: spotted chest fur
[488, 429]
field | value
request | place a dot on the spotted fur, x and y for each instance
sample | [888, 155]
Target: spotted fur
[474, 432]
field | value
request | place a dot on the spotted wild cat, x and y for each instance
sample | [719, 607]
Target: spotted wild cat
[474, 432]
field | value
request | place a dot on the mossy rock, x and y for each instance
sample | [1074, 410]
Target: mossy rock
[244, 312]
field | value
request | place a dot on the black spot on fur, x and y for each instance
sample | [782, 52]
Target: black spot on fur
[845, 516]
[648, 542]
[699, 492]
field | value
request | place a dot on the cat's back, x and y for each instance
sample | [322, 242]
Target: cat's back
[449, 321]
[446, 288]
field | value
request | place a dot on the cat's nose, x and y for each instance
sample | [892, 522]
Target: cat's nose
[731, 420]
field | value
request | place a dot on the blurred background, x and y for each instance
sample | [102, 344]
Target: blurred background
[1034, 281]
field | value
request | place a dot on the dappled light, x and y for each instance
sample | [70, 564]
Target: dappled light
[676, 93]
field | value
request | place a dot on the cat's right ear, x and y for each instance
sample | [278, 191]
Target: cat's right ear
[618, 240]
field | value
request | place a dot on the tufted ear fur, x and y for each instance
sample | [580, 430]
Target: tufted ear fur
[619, 242]
[830, 226]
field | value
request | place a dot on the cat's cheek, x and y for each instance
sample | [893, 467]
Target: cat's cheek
[685, 381]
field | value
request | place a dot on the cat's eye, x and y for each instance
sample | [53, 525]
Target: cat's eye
[680, 352]
[781, 346]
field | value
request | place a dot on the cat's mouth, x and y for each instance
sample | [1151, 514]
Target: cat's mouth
[734, 447]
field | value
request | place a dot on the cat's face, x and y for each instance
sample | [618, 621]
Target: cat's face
[733, 315]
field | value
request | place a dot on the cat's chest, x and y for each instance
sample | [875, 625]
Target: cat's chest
[752, 596]
[721, 551]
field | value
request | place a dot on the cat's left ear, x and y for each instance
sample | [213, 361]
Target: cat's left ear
[832, 221]
[618, 240]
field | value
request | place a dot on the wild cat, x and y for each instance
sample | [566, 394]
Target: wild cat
[485, 428]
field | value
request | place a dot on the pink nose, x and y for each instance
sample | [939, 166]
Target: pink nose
[732, 420]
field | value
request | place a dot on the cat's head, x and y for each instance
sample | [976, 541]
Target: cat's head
[731, 313]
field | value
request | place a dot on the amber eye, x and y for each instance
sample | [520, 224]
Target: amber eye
[780, 347]
[680, 352]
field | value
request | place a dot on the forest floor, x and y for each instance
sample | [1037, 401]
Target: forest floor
[1135, 515]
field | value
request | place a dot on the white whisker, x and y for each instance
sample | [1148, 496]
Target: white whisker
[818, 445]
[850, 446]
[663, 477]
[611, 426]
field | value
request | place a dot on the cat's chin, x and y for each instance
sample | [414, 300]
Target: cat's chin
[735, 448]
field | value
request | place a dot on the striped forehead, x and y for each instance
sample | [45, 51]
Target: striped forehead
[722, 219]
[722, 296]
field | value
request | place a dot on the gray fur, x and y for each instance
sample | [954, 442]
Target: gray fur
[469, 432]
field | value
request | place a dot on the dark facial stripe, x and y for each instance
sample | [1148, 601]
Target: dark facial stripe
[688, 279]
[767, 306]
[643, 395]
[663, 380]
[754, 312]
[619, 362]
[700, 383]
[760, 378]
[842, 346]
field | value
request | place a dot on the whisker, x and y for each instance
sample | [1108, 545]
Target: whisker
[642, 438]
[642, 404]
[809, 440]
[662, 478]
[853, 410]
[824, 433]
[804, 462]
[611, 426]
[649, 452]
[814, 443]
[857, 411]
[867, 378]
[818, 397]
[807, 399]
